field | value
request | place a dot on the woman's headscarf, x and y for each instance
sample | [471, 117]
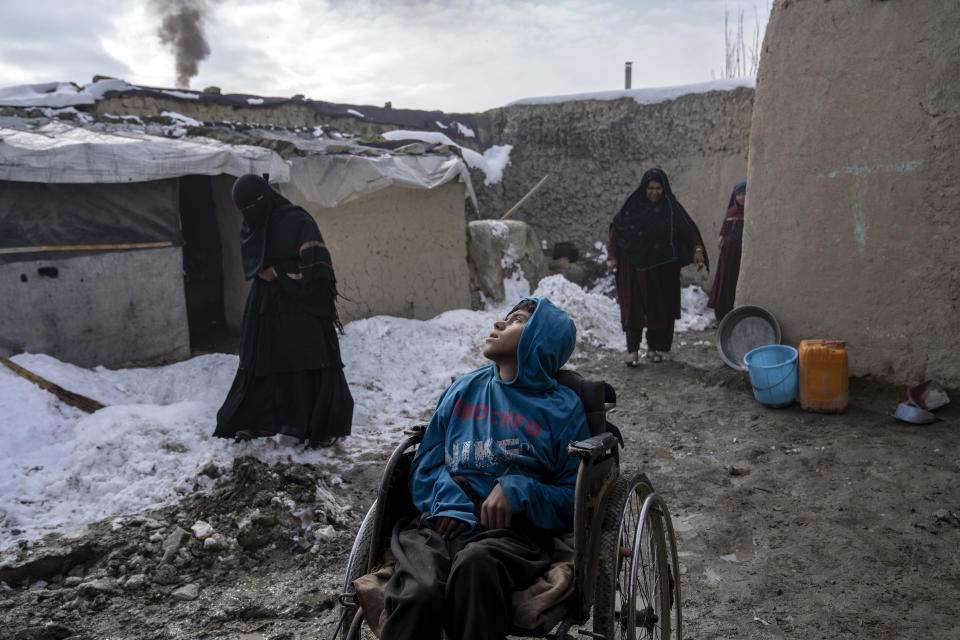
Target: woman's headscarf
[256, 200]
[741, 187]
[647, 232]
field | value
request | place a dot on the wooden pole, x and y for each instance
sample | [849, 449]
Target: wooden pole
[73, 399]
[525, 198]
[85, 247]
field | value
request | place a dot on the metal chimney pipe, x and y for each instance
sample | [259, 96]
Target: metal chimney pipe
[627, 70]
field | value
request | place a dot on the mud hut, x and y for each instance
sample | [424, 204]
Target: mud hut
[118, 243]
[853, 204]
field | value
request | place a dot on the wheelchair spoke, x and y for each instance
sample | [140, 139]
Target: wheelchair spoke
[635, 567]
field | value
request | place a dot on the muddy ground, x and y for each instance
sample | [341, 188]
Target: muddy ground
[790, 524]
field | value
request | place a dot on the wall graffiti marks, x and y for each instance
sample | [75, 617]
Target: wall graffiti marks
[860, 173]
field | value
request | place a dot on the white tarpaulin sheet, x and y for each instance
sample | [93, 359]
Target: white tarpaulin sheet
[332, 180]
[59, 152]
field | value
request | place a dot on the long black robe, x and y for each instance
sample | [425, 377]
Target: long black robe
[651, 241]
[290, 380]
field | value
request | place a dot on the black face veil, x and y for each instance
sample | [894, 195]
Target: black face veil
[256, 200]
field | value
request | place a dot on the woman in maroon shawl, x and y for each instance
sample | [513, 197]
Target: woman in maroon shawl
[651, 238]
[728, 265]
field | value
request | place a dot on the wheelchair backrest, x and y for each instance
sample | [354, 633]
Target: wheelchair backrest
[596, 397]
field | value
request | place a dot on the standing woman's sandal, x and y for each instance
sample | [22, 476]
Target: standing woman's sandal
[633, 361]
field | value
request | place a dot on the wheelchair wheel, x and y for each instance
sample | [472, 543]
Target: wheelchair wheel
[636, 587]
[356, 567]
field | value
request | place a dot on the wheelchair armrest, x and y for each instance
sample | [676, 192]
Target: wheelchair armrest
[594, 446]
[416, 431]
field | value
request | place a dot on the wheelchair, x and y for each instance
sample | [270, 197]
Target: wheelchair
[626, 578]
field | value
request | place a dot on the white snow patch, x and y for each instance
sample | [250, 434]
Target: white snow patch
[179, 117]
[79, 116]
[182, 94]
[466, 131]
[254, 100]
[97, 89]
[64, 468]
[652, 95]
[601, 252]
[354, 112]
[131, 119]
[499, 229]
[492, 162]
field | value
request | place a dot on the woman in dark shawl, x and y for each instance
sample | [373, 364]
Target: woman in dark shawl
[290, 380]
[728, 265]
[651, 238]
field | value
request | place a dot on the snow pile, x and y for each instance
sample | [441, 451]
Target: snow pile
[492, 162]
[151, 442]
[694, 314]
[597, 317]
[651, 95]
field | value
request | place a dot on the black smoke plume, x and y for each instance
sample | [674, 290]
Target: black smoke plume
[181, 28]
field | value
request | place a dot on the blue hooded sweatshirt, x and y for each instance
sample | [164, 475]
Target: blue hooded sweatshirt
[513, 432]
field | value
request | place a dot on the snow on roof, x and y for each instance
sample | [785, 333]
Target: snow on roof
[329, 172]
[48, 94]
[651, 95]
[58, 94]
[64, 94]
[58, 152]
[35, 150]
[492, 161]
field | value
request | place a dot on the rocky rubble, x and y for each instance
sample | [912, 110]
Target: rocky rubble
[260, 542]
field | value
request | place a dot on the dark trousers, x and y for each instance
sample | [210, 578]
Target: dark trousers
[657, 339]
[462, 585]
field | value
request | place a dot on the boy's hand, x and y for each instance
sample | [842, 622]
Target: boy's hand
[495, 512]
[450, 528]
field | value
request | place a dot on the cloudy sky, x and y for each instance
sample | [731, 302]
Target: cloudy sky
[454, 55]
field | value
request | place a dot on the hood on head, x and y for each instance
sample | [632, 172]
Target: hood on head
[740, 187]
[548, 339]
[659, 176]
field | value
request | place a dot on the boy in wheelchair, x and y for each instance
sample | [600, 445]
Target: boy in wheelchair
[492, 481]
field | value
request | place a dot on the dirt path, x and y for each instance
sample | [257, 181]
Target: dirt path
[795, 524]
[791, 524]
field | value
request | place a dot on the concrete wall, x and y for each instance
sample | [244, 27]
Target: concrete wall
[598, 150]
[105, 309]
[853, 206]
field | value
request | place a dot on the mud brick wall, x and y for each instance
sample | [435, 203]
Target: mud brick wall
[853, 206]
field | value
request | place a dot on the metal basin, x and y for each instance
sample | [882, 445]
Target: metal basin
[743, 330]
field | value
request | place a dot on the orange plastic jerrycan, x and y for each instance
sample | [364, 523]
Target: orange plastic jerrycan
[824, 375]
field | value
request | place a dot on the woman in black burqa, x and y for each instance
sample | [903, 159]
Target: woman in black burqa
[728, 264]
[651, 238]
[290, 380]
